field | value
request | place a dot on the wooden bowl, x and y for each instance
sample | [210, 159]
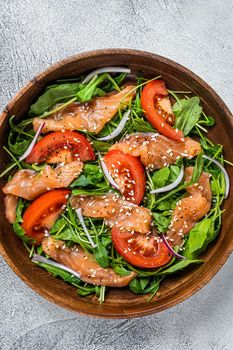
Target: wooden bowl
[121, 303]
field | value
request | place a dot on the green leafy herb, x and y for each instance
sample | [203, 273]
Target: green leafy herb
[180, 265]
[197, 238]
[101, 254]
[57, 93]
[18, 229]
[92, 175]
[101, 146]
[162, 222]
[160, 177]
[87, 92]
[57, 272]
[188, 112]
[121, 270]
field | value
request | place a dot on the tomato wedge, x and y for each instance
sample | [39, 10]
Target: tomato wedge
[149, 100]
[59, 147]
[128, 172]
[146, 251]
[43, 212]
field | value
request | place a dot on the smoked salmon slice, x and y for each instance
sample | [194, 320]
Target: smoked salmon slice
[90, 116]
[190, 209]
[84, 263]
[156, 151]
[28, 184]
[115, 212]
[10, 202]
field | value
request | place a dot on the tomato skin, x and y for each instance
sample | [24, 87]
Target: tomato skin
[130, 169]
[43, 212]
[140, 250]
[151, 91]
[58, 147]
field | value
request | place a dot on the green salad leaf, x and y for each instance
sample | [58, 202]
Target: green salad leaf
[57, 272]
[187, 112]
[198, 238]
[54, 94]
[92, 175]
[121, 270]
[101, 254]
[180, 265]
[162, 221]
[160, 177]
[88, 91]
[17, 227]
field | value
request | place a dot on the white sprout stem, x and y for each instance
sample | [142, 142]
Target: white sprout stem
[41, 259]
[172, 185]
[105, 70]
[107, 174]
[32, 144]
[227, 179]
[80, 216]
[118, 129]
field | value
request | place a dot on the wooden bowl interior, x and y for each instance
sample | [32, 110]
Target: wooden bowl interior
[120, 302]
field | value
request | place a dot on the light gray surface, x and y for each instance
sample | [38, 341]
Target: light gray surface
[197, 34]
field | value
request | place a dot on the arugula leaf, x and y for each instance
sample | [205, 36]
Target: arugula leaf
[197, 238]
[160, 177]
[180, 265]
[92, 192]
[91, 182]
[101, 146]
[118, 80]
[120, 270]
[187, 112]
[19, 139]
[92, 175]
[162, 222]
[18, 229]
[145, 285]
[106, 241]
[87, 290]
[174, 173]
[101, 254]
[54, 94]
[136, 286]
[198, 168]
[87, 91]
[57, 272]
[58, 226]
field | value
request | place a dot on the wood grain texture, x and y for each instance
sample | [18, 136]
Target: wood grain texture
[36, 34]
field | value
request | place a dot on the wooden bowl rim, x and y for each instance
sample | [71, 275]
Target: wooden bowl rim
[105, 52]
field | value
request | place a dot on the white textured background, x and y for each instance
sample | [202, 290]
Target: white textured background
[195, 33]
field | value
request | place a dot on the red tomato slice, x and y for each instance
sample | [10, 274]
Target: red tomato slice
[41, 215]
[146, 251]
[128, 172]
[59, 147]
[149, 100]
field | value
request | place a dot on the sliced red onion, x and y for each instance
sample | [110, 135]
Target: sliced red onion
[176, 255]
[118, 129]
[80, 216]
[32, 144]
[107, 174]
[41, 259]
[227, 179]
[173, 184]
[105, 70]
[201, 127]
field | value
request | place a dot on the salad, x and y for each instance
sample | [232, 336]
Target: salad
[113, 181]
